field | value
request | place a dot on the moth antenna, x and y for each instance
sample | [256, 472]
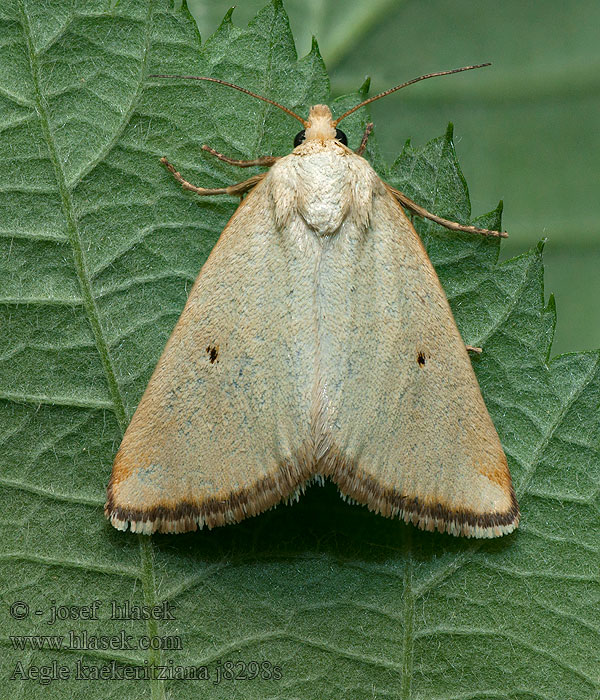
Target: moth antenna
[410, 82]
[236, 87]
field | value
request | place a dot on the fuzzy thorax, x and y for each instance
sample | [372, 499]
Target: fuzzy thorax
[320, 124]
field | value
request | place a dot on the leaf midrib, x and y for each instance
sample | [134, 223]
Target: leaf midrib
[146, 573]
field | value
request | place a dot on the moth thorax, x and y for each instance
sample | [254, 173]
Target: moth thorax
[320, 124]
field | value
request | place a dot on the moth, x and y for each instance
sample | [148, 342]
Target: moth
[316, 342]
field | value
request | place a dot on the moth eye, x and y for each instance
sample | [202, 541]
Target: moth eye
[299, 138]
[341, 137]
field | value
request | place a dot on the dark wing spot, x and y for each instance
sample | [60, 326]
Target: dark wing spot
[213, 353]
[421, 358]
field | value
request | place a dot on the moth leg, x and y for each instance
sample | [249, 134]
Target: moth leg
[263, 160]
[472, 348]
[237, 190]
[363, 144]
[452, 225]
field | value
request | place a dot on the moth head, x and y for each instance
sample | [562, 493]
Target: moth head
[320, 125]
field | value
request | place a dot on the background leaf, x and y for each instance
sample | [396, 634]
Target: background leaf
[100, 247]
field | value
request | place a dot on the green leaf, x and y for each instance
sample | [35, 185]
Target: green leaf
[339, 27]
[99, 249]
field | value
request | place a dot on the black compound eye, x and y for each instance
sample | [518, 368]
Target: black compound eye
[341, 137]
[299, 138]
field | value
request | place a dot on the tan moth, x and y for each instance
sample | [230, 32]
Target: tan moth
[316, 342]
